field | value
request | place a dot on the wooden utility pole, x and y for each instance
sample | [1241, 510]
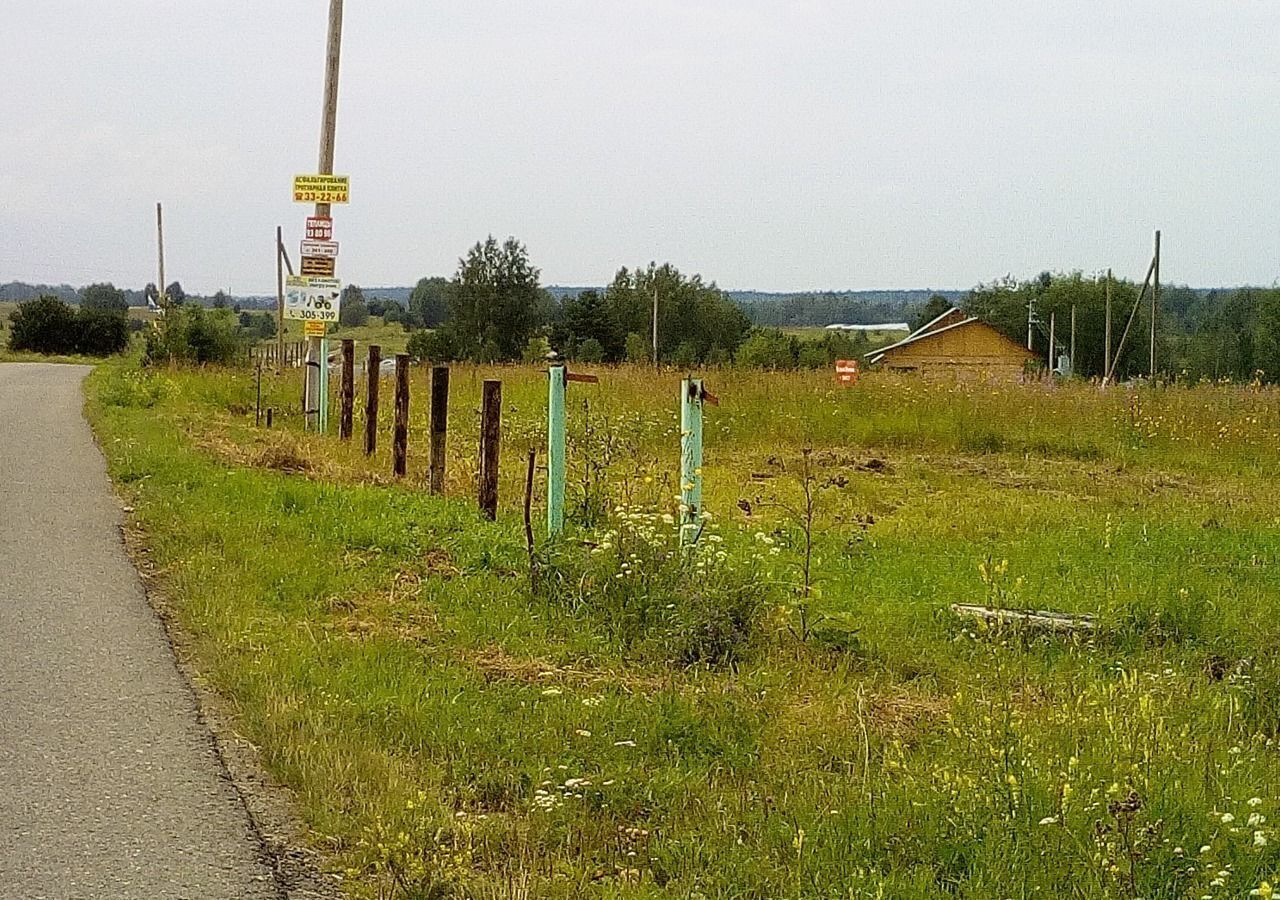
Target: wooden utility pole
[400, 435]
[439, 425]
[348, 390]
[1155, 304]
[490, 432]
[317, 351]
[279, 299]
[1031, 319]
[372, 371]
[1106, 363]
[161, 294]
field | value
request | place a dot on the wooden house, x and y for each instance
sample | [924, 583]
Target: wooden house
[958, 345]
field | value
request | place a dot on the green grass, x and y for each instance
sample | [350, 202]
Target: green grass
[433, 714]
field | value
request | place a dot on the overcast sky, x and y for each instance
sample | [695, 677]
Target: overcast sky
[792, 145]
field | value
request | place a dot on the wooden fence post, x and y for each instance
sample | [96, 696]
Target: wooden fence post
[490, 429]
[372, 373]
[439, 425]
[348, 391]
[400, 437]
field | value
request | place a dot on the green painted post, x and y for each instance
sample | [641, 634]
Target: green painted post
[324, 385]
[556, 377]
[690, 460]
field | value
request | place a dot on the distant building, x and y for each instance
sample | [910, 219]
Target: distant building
[884, 326]
[959, 345]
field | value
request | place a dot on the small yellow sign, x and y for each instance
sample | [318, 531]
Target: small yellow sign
[321, 188]
[314, 329]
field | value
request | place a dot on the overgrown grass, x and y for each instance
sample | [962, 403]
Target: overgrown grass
[643, 723]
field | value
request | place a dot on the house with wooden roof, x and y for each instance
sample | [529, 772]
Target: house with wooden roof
[958, 345]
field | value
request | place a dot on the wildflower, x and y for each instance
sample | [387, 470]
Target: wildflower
[1256, 819]
[1049, 820]
[1255, 801]
[1259, 839]
[1264, 890]
[1227, 818]
[624, 743]
[552, 692]
[582, 732]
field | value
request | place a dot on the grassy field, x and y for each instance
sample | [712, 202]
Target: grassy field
[638, 722]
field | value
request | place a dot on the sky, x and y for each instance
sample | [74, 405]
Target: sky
[782, 146]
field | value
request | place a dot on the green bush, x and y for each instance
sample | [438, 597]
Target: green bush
[101, 331]
[590, 351]
[638, 350]
[767, 349]
[50, 326]
[433, 346]
[46, 325]
[192, 334]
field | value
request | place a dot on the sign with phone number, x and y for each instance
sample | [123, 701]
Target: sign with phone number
[321, 188]
[312, 299]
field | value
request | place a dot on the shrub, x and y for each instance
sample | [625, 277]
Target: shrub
[638, 350]
[50, 326]
[686, 355]
[688, 606]
[354, 313]
[101, 331]
[436, 346]
[46, 325]
[590, 351]
[767, 349]
[193, 334]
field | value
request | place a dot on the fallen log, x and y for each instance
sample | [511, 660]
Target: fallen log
[1033, 618]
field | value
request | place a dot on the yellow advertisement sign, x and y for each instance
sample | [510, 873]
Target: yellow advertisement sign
[314, 329]
[321, 188]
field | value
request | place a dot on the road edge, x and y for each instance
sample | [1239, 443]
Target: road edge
[295, 866]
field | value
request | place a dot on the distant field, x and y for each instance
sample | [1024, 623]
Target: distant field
[639, 722]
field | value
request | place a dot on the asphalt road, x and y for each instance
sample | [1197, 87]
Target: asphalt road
[109, 783]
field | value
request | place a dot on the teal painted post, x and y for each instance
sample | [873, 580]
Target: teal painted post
[556, 376]
[690, 460]
[324, 385]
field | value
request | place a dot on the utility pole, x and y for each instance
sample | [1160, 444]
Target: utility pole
[1053, 363]
[1073, 339]
[1155, 305]
[655, 320]
[318, 348]
[279, 299]
[1106, 365]
[160, 291]
[1031, 319]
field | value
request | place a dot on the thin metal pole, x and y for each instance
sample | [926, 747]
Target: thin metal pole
[555, 450]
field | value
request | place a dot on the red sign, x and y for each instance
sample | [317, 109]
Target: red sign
[847, 371]
[319, 228]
